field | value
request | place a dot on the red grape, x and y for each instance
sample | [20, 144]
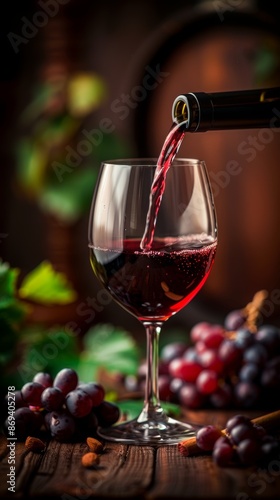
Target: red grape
[185, 369]
[207, 382]
[197, 332]
[207, 436]
[214, 336]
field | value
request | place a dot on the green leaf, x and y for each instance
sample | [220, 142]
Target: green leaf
[8, 277]
[11, 310]
[69, 199]
[132, 408]
[45, 285]
[108, 347]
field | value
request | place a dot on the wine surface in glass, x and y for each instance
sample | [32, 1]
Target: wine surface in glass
[155, 284]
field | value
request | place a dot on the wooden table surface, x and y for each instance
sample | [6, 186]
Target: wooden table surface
[143, 472]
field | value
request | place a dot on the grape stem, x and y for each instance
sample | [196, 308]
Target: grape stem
[252, 310]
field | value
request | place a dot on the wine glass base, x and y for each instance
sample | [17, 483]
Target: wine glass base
[149, 433]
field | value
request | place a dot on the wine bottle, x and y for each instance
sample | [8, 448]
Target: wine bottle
[240, 109]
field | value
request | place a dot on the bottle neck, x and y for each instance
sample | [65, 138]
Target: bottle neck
[243, 109]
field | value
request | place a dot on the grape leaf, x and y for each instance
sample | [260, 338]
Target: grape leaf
[8, 279]
[45, 285]
[11, 310]
[71, 197]
[110, 347]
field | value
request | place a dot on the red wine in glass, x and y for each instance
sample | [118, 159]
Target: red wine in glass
[154, 284]
[152, 239]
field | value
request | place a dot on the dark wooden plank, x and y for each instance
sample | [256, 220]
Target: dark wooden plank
[57, 468]
[123, 472]
[187, 477]
[26, 463]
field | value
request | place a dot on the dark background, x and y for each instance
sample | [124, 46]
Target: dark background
[117, 40]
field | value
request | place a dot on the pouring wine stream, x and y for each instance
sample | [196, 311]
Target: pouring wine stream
[168, 152]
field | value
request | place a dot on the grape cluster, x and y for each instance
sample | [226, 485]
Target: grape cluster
[61, 406]
[226, 366]
[243, 443]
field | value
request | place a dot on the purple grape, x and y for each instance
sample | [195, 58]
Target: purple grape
[87, 426]
[234, 319]
[242, 431]
[270, 447]
[250, 372]
[107, 413]
[66, 380]
[31, 393]
[172, 351]
[95, 391]
[256, 354]
[52, 398]
[249, 451]
[247, 394]
[62, 426]
[44, 379]
[190, 397]
[244, 338]
[270, 378]
[237, 420]
[222, 397]
[269, 337]
[223, 454]
[78, 403]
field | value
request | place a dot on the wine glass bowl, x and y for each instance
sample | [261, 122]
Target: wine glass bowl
[152, 279]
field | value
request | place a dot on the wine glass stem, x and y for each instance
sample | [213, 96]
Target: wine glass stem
[152, 410]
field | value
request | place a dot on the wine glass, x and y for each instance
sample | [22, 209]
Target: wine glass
[152, 283]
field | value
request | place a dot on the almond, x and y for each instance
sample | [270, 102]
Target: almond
[94, 445]
[90, 459]
[34, 444]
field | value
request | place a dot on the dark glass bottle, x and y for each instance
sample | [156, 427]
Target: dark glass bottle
[240, 109]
